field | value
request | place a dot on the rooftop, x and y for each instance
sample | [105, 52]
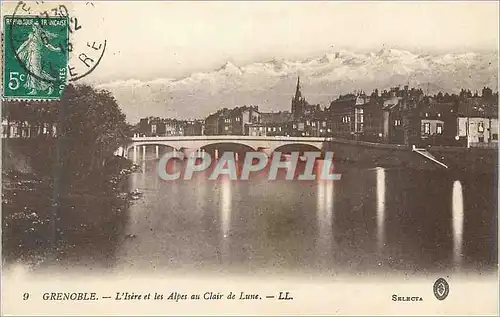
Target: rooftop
[276, 117]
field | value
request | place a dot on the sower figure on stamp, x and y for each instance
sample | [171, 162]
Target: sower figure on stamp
[30, 53]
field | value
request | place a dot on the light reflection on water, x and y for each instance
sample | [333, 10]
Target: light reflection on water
[225, 216]
[458, 221]
[324, 209]
[380, 176]
[371, 219]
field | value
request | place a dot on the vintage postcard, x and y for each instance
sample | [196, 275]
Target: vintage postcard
[249, 158]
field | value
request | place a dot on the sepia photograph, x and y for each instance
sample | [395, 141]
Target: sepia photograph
[249, 158]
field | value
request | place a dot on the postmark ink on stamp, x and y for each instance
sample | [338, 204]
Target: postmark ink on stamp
[35, 65]
[86, 48]
[46, 46]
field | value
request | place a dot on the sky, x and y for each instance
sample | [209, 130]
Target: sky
[159, 39]
[148, 40]
[151, 42]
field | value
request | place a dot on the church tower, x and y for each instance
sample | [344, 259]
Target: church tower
[298, 102]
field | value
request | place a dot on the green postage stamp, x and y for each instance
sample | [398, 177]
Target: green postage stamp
[35, 57]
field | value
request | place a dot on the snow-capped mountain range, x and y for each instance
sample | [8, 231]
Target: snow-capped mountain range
[271, 84]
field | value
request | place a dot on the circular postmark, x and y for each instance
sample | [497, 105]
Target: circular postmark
[43, 35]
[441, 288]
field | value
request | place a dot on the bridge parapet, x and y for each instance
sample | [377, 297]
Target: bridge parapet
[229, 138]
[270, 143]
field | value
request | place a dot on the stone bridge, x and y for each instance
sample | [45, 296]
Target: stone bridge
[189, 144]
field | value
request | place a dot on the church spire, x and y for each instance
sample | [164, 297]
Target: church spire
[298, 94]
[298, 102]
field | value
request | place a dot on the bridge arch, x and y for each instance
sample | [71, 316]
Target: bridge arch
[297, 147]
[229, 146]
[152, 149]
[217, 149]
[150, 144]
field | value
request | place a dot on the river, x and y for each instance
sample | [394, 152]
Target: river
[372, 220]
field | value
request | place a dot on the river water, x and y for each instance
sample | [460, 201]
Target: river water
[371, 221]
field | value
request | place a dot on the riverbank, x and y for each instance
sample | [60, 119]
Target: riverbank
[457, 159]
[44, 220]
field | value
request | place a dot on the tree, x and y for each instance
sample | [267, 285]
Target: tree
[91, 127]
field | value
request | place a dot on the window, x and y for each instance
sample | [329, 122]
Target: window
[324, 124]
[153, 128]
[279, 128]
[226, 128]
[439, 115]
[494, 136]
[439, 128]
[359, 127]
[480, 127]
[427, 128]
[361, 118]
[294, 126]
[268, 129]
[426, 114]
[274, 129]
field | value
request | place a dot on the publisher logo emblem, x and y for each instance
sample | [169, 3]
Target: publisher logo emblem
[441, 288]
